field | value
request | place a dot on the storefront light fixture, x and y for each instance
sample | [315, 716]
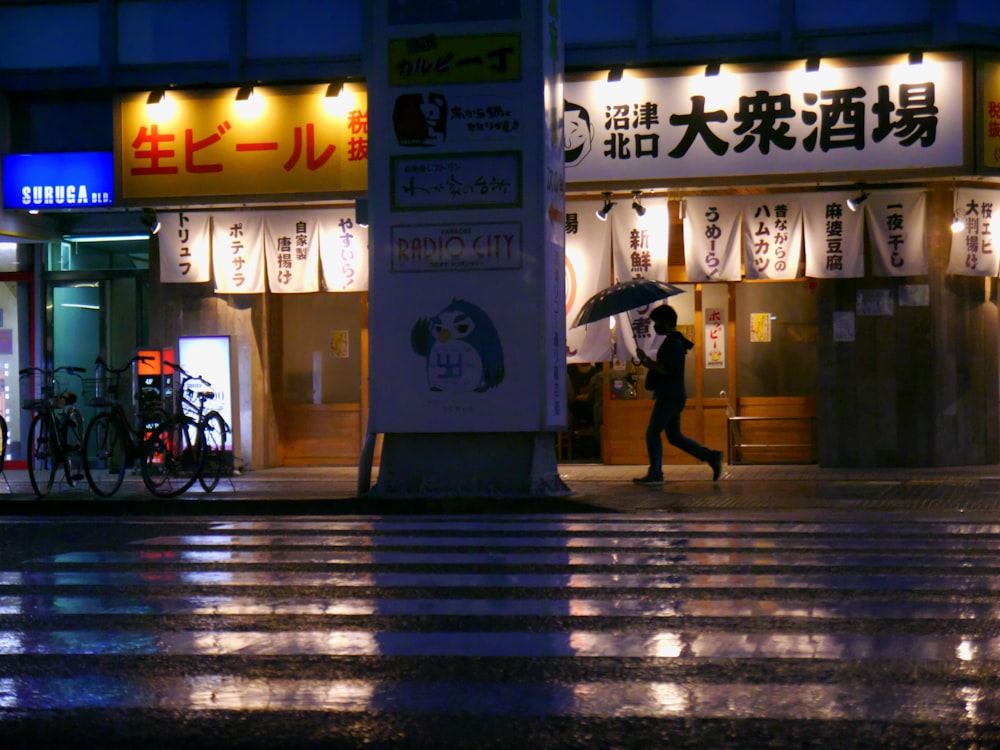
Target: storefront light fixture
[155, 96]
[334, 89]
[615, 73]
[856, 201]
[150, 220]
[916, 58]
[244, 94]
[602, 213]
[637, 203]
[713, 69]
[361, 212]
[89, 238]
[812, 64]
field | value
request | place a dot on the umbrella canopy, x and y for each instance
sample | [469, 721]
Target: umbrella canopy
[622, 297]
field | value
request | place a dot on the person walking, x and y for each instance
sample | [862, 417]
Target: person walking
[666, 380]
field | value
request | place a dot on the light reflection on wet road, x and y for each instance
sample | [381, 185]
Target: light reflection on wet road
[685, 622]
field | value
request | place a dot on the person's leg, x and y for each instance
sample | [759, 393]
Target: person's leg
[692, 447]
[686, 444]
[654, 448]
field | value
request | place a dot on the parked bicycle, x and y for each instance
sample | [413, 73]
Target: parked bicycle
[55, 437]
[188, 447]
[113, 442]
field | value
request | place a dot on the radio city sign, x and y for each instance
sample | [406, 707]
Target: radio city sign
[82, 179]
[456, 247]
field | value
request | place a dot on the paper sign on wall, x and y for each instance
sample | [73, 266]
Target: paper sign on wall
[715, 338]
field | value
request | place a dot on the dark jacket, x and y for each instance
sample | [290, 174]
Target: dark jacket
[670, 384]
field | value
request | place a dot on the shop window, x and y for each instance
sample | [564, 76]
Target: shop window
[274, 28]
[99, 254]
[776, 339]
[148, 31]
[71, 38]
[322, 348]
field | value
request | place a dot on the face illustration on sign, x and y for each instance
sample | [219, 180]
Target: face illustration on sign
[578, 133]
[420, 119]
[461, 348]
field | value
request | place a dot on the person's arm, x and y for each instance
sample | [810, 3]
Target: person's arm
[646, 361]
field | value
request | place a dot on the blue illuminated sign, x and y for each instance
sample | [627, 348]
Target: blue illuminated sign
[82, 179]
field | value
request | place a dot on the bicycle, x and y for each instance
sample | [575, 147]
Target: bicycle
[112, 442]
[55, 437]
[188, 447]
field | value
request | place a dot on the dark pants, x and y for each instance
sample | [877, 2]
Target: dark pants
[666, 417]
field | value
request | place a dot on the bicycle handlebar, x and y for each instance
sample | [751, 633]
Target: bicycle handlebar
[120, 370]
[51, 373]
[187, 376]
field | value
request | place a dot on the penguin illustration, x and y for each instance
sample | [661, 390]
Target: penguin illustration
[462, 349]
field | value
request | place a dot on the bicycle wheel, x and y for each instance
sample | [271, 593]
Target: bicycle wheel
[41, 467]
[105, 455]
[72, 440]
[172, 457]
[215, 431]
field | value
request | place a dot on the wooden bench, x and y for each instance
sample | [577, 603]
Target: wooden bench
[781, 431]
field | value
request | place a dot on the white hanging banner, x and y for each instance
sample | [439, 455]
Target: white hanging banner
[343, 250]
[588, 270]
[291, 250]
[640, 245]
[711, 238]
[896, 220]
[834, 236]
[772, 236]
[972, 252]
[185, 247]
[238, 252]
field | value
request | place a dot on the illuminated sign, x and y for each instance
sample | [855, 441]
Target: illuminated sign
[206, 144]
[58, 180]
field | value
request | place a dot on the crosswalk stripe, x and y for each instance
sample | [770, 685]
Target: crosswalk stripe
[658, 699]
[580, 644]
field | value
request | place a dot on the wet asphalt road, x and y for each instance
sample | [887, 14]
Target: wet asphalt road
[735, 629]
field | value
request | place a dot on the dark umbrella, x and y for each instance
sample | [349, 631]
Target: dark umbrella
[622, 297]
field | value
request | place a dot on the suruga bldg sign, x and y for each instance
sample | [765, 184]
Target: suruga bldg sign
[58, 180]
[842, 118]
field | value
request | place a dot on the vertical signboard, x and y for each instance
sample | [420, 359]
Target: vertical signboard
[208, 357]
[989, 115]
[467, 198]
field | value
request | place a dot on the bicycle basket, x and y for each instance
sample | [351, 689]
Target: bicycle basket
[46, 394]
[103, 391]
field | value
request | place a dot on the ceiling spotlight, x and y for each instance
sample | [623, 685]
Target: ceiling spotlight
[615, 73]
[602, 213]
[916, 58]
[334, 89]
[853, 203]
[155, 96]
[713, 69]
[150, 221]
[637, 203]
[958, 225]
[812, 64]
[244, 94]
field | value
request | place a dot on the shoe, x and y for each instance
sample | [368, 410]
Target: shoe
[715, 461]
[650, 478]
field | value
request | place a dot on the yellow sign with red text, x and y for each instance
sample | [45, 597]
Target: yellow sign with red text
[991, 114]
[196, 145]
